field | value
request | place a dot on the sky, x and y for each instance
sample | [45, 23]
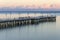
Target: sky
[31, 3]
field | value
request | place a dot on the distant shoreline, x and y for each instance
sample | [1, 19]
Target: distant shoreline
[29, 11]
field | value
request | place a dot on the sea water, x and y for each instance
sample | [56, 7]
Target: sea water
[41, 31]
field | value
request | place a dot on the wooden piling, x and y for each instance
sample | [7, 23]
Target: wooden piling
[24, 20]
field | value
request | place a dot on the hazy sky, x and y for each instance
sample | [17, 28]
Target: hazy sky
[31, 3]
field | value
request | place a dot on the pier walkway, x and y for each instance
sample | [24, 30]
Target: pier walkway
[10, 20]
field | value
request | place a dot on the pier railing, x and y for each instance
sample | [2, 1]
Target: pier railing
[10, 20]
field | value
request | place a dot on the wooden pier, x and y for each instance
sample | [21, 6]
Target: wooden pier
[27, 19]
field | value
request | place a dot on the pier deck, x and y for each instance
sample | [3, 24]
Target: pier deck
[10, 20]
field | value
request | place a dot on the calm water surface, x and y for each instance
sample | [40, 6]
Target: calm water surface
[41, 31]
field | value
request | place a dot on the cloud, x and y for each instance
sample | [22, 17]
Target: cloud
[30, 3]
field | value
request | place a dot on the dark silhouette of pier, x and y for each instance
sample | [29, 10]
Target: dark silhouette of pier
[26, 20]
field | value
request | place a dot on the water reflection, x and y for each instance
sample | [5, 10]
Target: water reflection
[41, 31]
